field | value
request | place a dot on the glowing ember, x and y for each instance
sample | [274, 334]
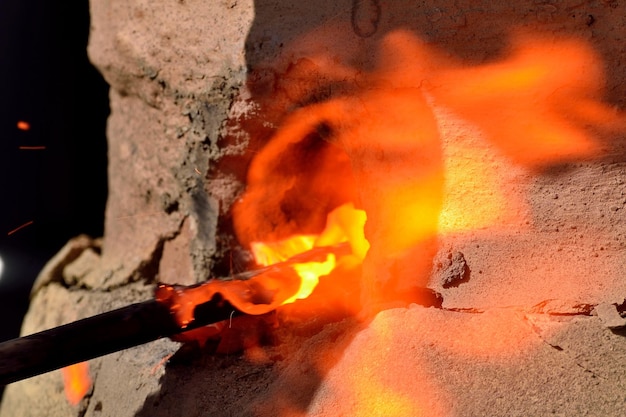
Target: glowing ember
[77, 381]
[22, 125]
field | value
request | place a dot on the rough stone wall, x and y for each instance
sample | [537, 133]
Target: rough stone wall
[177, 71]
[174, 69]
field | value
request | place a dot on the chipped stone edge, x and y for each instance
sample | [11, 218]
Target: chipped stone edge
[53, 270]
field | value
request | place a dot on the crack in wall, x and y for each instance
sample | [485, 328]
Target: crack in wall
[538, 331]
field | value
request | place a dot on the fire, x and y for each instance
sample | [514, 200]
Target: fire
[77, 381]
[292, 269]
[375, 141]
[267, 254]
[309, 274]
[365, 168]
[535, 104]
[344, 224]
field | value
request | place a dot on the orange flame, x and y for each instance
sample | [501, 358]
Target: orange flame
[77, 381]
[379, 142]
[293, 269]
[537, 103]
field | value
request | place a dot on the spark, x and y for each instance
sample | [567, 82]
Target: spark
[32, 148]
[20, 227]
[161, 363]
[1, 267]
[22, 125]
[197, 171]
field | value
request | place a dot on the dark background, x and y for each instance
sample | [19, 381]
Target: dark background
[47, 81]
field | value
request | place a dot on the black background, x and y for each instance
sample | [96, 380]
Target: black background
[47, 81]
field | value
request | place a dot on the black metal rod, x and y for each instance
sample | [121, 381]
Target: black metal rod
[123, 328]
[99, 335]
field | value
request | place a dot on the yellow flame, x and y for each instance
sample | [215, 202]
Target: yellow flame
[344, 224]
[310, 273]
[270, 253]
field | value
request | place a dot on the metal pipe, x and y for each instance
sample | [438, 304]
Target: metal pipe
[126, 327]
[99, 335]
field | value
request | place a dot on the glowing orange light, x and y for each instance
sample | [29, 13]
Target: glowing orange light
[22, 125]
[310, 273]
[77, 381]
[373, 398]
[536, 103]
[381, 146]
[345, 224]
[487, 199]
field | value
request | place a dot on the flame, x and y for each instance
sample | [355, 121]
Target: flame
[536, 103]
[292, 269]
[77, 381]
[309, 274]
[344, 224]
[267, 254]
[377, 145]
[270, 253]
[377, 141]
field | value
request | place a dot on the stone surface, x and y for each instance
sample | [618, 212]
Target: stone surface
[197, 90]
[497, 363]
[64, 297]
[610, 317]
[453, 269]
[174, 69]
